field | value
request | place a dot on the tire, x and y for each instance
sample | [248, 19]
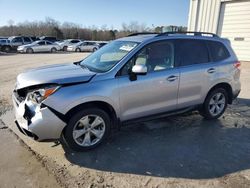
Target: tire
[78, 50]
[94, 49]
[29, 51]
[215, 104]
[53, 50]
[65, 48]
[80, 141]
[6, 49]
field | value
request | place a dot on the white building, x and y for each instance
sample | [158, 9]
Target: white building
[227, 18]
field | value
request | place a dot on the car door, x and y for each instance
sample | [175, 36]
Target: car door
[84, 46]
[155, 92]
[196, 71]
[40, 47]
[18, 41]
[49, 46]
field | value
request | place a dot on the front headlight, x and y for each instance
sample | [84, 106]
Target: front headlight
[41, 94]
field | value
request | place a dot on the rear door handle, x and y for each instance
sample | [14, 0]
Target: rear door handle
[172, 78]
[211, 70]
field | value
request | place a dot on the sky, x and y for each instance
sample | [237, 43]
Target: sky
[87, 13]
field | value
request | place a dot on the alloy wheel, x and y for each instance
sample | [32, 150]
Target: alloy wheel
[89, 130]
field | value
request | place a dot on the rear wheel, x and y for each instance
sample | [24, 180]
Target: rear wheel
[215, 104]
[94, 49]
[65, 48]
[30, 51]
[87, 129]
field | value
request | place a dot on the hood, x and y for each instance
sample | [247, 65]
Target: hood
[27, 45]
[54, 74]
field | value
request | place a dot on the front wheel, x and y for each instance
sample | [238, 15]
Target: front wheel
[87, 129]
[29, 51]
[94, 49]
[6, 49]
[78, 50]
[215, 104]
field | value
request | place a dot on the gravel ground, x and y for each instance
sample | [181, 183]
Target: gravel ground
[179, 151]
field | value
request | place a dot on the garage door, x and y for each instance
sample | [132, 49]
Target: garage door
[234, 24]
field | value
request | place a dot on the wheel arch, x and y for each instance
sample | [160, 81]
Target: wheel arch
[95, 104]
[225, 86]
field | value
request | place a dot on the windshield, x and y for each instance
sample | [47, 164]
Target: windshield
[108, 56]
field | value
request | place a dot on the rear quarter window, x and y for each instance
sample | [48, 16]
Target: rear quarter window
[217, 50]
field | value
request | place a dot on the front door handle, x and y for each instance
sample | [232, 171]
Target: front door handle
[172, 78]
[211, 70]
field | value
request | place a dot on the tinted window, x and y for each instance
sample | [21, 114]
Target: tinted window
[191, 52]
[156, 56]
[26, 39]
[75, 41]
[18, 39]
[48, 43]
[41, 43]
[218, 50]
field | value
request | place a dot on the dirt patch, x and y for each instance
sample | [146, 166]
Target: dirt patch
[19, 166]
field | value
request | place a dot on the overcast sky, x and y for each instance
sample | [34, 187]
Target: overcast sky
[97, 12]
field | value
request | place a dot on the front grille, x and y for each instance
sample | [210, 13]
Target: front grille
[28, 114]
[18, 97]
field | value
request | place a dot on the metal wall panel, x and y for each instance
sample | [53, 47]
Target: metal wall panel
[227, 18]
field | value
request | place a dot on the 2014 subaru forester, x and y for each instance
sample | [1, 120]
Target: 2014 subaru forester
[138, 77]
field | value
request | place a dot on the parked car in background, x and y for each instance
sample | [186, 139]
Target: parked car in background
[51, 39]
[35, 38]
[15, 41]
[65, 43]
[85, 46]
[39, 46]
[101, 44]
[139, 77]
[3, 42]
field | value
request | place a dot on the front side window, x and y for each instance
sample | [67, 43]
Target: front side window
[156, 56]
[108, 56]
[18, 39]
[190, 52]
[218, 51]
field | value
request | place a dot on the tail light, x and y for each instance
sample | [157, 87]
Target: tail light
[237, 64]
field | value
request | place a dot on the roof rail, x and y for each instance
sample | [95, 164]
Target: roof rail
[142, 33]
[195, 33]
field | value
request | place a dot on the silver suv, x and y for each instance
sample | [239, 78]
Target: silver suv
[139, 77]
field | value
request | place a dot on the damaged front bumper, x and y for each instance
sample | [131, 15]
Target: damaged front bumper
[37, 121]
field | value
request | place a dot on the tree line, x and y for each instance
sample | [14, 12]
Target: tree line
[67, 30]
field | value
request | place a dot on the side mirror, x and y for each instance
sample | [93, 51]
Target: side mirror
[139, 69]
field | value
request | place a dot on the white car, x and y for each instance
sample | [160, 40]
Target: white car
[86, 46]
[39, 46]
[65, 43]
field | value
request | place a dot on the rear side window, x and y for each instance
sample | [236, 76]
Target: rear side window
[217, 50]
[26, 39]
[190, 52]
